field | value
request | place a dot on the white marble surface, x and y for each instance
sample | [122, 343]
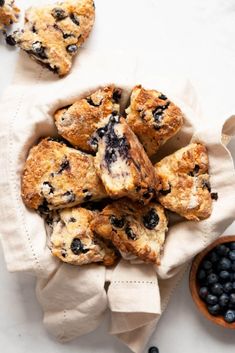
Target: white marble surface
[194, 38]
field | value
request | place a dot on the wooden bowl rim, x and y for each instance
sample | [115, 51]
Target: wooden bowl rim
[193, 283]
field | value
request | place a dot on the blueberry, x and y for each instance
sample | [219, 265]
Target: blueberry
[153, 350]
[64, 253]
[165, 192]
[58, 13]
[117, 94]
[77, 247]
[232, 299]
[114, 118]
[151, 219]
[214, 196]
[233, 266]
[228, 287]
[231, 255]
[217, 289]
[69, 196]
[43, 208]
[64, 166]
[117, 222]
[129, 232]
[2, 2]
[201, 275]
[100, 132]
[206, 185]
[203, 292]
[229, 316]
[222, 250]
[224, 275]
[232, 245]
[211, 299]
[213, 257]
[212, 278]
[207, 265]
[72, 48]
[88, 196]
[10, 40]
[232, 276]
[162, 96]
[75, 19]
[224, 300]
[214, 309]
[39, 50]
[224, 264]
[47, 187]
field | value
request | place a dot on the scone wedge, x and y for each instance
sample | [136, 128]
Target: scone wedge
[9, 13]
[185, 182]
[73, 241]
[77, 122]
[153, 118]
[57, 176]
[122, 163]
[52, 34]
[134, 229]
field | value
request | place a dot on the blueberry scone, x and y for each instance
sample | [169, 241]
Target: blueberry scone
[153, 118]
[77, 122]
[57, 176]
[52, 34]
[121, 161]
[132, 228]
[8, 13]
[73, 241]
[185, 182]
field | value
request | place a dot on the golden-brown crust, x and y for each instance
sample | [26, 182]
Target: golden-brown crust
[78, 122]
[9, 13]
[122, 163]
[153, 118]
[56, 176]
[185, 181]
[133, 228]
[53, 34]
[73, 241]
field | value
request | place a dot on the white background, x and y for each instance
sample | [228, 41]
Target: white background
[196, 39]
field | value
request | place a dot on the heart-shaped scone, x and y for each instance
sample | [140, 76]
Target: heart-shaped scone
[52, 34]
[185, 181]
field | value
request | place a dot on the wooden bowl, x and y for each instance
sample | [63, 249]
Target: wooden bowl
[194, 286]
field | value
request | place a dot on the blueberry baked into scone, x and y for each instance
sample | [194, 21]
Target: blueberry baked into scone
[132, 228]
[185, 182]
[57, 176]
[52, 34]
[153, 118]
[9, 13]
[121, 161]
[73, 241]
[77, 122]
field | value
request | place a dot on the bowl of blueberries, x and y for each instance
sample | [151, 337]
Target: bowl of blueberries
[212, 282]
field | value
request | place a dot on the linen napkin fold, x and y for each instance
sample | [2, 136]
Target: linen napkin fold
[74, 299]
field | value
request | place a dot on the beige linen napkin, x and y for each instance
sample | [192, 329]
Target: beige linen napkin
[74, 299]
